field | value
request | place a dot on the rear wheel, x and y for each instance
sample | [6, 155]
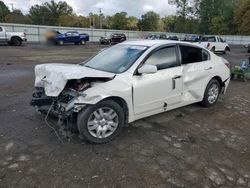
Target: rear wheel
[227, 49]
[213, 50]
[16, 41]
[102, 122]
[212, 93]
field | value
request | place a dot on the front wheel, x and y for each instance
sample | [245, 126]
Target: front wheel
[83, 42]
[212, 93]
[60, 42]
[102, 122]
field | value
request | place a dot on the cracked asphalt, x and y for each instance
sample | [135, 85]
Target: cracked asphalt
[188, 147]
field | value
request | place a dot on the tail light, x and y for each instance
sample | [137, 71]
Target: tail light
[226, 62]
[208, 45]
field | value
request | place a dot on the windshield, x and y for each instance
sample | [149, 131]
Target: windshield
[116, 59]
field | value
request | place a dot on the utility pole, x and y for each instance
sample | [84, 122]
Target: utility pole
[100, 17]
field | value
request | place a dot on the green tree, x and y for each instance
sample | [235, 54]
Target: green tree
[4, 11]
[185, 8]
[242, 16]
[169, 23]
[119, 21]
[213, 12]
[17, 16]
[149, 21]
[49, 12]
[218, 26]
[132, 23]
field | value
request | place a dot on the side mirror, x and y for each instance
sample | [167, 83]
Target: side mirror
[147, 69]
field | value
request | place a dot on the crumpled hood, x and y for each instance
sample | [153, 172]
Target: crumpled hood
[54, 77]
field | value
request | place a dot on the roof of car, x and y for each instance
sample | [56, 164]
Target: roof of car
[150, 42]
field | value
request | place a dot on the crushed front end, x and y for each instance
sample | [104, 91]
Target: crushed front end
[64, 106]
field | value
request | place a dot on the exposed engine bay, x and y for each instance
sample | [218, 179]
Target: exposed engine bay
[64, 106]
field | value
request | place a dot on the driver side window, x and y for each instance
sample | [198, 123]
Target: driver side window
[163, 58]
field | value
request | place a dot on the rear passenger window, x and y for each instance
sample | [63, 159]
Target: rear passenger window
[163, 58]
[205, 55]
[193, 55]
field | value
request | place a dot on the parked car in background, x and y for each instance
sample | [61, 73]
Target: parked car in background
[12, 38]
[247, 45]
[58, 38]
[173, 38]
[192, 38]
[156, 37]
[214, 44]
[113, 38]
[127, 82]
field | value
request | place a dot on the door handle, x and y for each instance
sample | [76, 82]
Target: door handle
[209, 68]
[173, 80]
[176, 77]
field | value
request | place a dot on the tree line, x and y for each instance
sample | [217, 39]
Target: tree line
[193, 16]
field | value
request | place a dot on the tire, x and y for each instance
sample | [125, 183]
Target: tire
[210, 99]
[213, 50]
[227, 49]
[110, 42]
[60, 42]
[87, 120]
[16, 41]
[82, 42]
[76, 43]
[122, 40]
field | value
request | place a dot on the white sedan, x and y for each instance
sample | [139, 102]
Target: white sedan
[127, 82]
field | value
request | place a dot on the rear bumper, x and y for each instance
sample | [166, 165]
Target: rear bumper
[24, 39]
[225, 86]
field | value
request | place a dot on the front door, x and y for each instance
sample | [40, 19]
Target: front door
[158, 91]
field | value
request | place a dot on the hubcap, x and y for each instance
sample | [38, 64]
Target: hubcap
[213, 93]
[103, 122]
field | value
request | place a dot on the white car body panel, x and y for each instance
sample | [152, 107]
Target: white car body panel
[145, 94]
[218, 45]
[6, 36]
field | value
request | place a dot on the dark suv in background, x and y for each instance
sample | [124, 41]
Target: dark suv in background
[113, 38]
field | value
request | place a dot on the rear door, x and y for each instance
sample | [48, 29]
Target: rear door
[156, 92]
[197, 69]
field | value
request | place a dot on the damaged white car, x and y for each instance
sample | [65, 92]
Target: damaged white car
[127, 82]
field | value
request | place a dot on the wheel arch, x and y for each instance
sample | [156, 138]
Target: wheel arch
[120, 101]
[218, 78]
[227, 48]
[15, 36]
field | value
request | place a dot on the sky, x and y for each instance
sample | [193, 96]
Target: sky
[108, 7]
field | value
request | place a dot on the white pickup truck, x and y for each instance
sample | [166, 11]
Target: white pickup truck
[12, 38]
[214, 44]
